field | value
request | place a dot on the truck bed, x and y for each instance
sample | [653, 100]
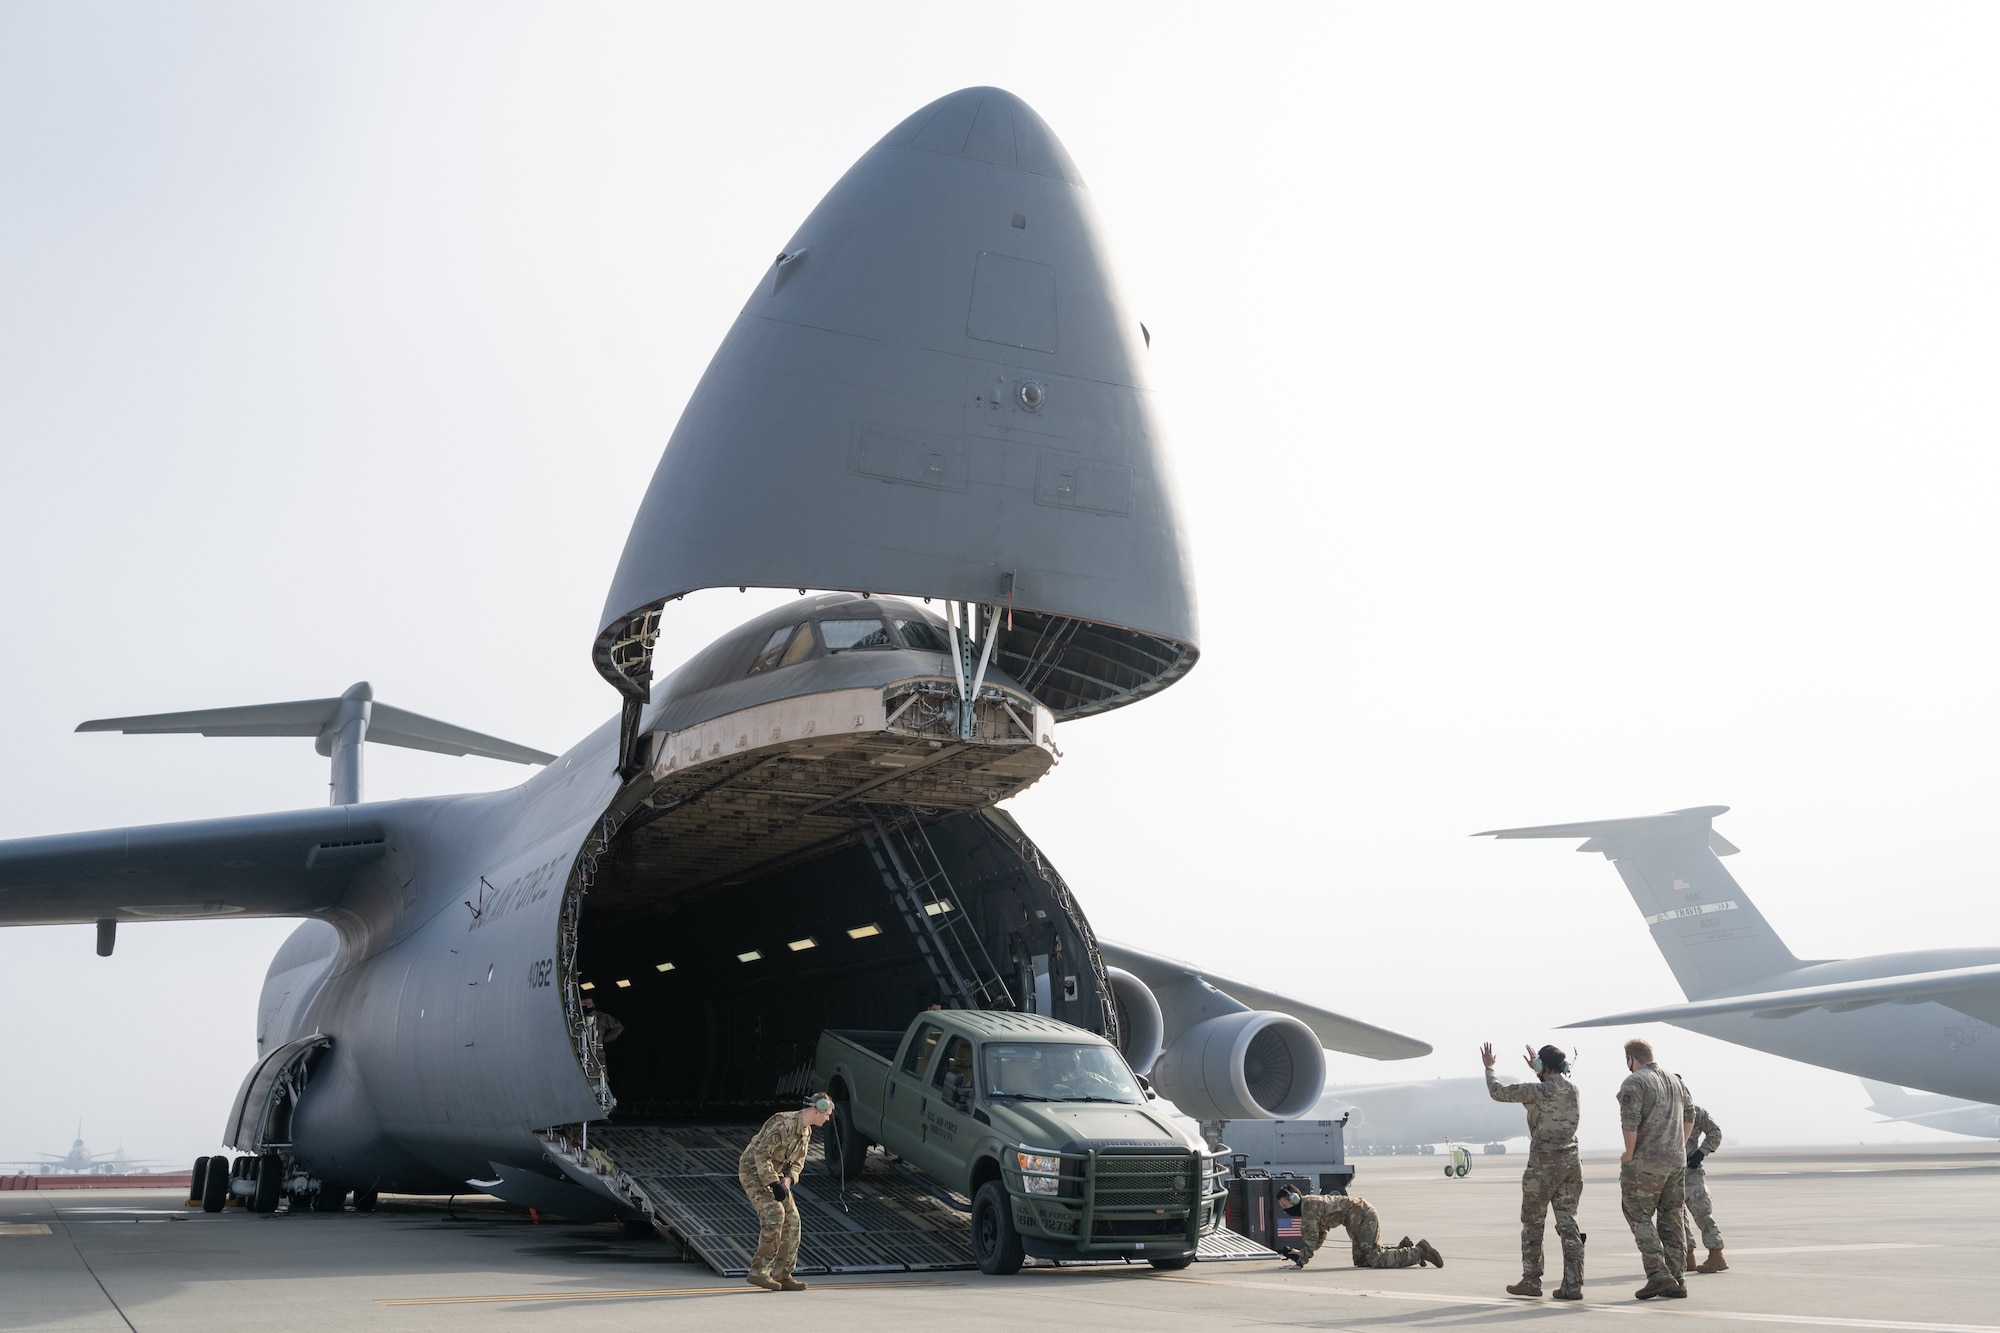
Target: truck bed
[881, 1046]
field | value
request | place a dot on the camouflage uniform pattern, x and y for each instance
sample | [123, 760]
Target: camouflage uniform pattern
[1321, 1213]
[777, 1153]
[1651, 1187]
[1554, 1174]
[1707, 1138]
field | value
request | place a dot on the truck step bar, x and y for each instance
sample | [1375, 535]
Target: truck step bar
[886, 1221]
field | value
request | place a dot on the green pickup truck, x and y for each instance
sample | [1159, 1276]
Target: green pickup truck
[1042, 1125]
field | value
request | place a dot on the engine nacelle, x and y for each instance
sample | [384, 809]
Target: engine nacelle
[1142, 1029]
[1253, 1065]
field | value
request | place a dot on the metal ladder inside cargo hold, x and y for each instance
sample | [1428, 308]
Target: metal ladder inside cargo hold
[923, 893]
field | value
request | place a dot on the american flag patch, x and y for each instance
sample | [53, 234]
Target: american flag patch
[1288, 1227]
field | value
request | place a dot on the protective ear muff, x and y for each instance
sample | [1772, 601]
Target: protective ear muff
[1288, 1197]
[820, 1102]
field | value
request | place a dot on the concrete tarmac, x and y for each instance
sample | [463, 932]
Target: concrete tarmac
[1903, 1238]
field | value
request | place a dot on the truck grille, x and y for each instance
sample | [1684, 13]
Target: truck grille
[1145, 1180]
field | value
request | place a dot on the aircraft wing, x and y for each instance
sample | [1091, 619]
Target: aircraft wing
[1971, 990]
[291, 864]
[1336, 1032]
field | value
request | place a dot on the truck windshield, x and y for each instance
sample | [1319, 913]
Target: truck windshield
[1058, 1072]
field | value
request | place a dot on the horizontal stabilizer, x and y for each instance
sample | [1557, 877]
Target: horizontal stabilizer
[1608, 833]
[387, 725]
[1336, 1032]
[1911, 988]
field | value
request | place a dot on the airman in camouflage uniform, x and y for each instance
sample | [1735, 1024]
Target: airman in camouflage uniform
[1554, 1174]
[1652, 1112]
[767, 1170]
[1321, 1213]
[1704, 1142]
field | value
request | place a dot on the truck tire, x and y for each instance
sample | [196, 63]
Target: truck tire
[1173, 1265]
[996, 1245]
[846, 1150]
[215, 1190]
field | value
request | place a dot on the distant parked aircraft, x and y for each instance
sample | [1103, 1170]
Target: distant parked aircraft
[1953, 1115]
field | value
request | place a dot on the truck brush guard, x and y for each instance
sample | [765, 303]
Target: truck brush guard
[1116, 1199]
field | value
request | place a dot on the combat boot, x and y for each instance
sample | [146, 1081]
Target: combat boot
[1659, 1284]
[1715, 1263]
[764, 1280]
[1427, 1253]
[1688, 1263]
[1527, 1286]
[790, 1283]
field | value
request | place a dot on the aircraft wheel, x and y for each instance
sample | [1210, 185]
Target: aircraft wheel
[270, 1175]
[996, 1245]
[332, 1197]
[197, 1181]
[1173, 1265]
[215, 1190]
[365, 1200]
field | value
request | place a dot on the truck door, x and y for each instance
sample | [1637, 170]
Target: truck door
[904, 1094]
[947, 1114]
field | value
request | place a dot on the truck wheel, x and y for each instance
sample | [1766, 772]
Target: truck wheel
[996, 1245]
[846, 1150]
[215, 1190]
[1173, 1265]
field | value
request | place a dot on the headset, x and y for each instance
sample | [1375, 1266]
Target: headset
[820, 1102]
[1288, 1198]
[1550, 1059]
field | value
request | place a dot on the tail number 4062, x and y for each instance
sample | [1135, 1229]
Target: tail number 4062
[539, 972]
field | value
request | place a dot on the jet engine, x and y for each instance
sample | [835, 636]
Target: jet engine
[1142, 1029]
[1251, 1065]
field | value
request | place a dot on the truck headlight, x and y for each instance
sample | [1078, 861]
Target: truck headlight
[1039, 1164]
[1041, 1184]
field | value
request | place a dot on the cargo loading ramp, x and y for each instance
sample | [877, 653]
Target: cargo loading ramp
[887, 1220]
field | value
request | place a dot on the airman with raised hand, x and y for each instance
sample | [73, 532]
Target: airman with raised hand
[1554, 1174]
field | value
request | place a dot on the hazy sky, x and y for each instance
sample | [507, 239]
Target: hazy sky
[1582, 411]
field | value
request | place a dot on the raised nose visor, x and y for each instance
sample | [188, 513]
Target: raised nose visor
[934, 390]
[779, 778]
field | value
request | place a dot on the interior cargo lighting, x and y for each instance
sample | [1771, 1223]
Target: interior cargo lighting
[867, 932]
[624, 985]
[588, 985]
[663, 967]
[749, 957]
[800, 946]
[938, 908]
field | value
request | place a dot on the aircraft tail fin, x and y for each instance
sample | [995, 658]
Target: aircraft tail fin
[1711, 934]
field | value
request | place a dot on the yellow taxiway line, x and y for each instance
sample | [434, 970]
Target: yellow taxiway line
[744, 1290]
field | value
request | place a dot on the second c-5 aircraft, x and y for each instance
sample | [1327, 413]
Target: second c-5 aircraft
[933, 392]
[1917, 1020]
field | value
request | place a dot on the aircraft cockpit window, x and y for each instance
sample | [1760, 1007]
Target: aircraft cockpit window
[917, 1060]
[919, 634]
[774, 647]
[844, 634]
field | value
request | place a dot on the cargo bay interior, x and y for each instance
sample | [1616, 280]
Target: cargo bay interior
[723, 987]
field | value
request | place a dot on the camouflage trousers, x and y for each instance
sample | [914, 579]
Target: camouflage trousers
[1372, 1255]
[1551, 1179]
[1365, 1233]
[1652, 1198]
[777, 1227]
[1702, 1209]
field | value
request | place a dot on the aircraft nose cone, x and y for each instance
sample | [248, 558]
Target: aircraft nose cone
[934, 390]
[987, 125]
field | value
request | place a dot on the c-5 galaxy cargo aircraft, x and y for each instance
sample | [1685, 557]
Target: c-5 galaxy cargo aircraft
[933, 393]
[1953, 1115]
[1918, 1020]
